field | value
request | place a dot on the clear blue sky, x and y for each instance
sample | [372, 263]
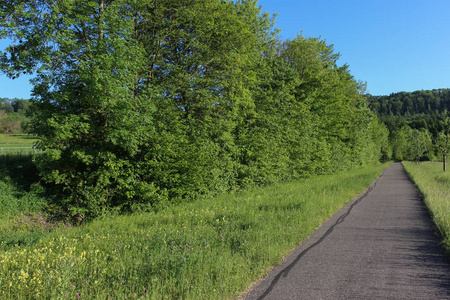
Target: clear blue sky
[393, 45]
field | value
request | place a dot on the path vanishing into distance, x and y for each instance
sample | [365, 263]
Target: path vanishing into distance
[380, 246]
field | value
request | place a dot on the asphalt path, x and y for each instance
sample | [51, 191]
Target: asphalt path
[382, 245]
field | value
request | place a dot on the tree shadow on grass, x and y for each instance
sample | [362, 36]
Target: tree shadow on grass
[18, 170]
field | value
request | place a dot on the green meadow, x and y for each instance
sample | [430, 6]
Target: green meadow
[207, 249]
[17, 140]
[434, 184]
[16, 143]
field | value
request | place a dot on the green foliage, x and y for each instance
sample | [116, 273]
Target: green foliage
[18, 174]
[13, 202]
[420, 143]
[442, 141]
[208, 249]
[141, 103]
[19, 171]
[417, 122]
[342, 127]
[411, 144]
[13, 115]
[428, 102]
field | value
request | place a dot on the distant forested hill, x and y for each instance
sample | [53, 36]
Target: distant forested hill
[420, 109]
[416, 121]
[411, 103]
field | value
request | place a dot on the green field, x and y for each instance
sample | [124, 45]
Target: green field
[16, 143]
[435, 187]
[17, 140]
[207, 249]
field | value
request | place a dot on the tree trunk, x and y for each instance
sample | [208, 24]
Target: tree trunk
[101, 16]
[444, 161]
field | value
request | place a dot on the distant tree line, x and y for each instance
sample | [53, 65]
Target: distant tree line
[418, 122]
[13, 115]
[428, 102]
[140, 103]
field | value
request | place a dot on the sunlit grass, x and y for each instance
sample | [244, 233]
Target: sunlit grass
[208, 249]
[16, 144]
[435, 186]
[17, 140]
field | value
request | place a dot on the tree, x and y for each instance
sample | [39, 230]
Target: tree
[419, 143]
[399, 141]
[343, 124]
[13, 115]
[443, 142]
[410, 144]
[10, 123]
[142, 102]
[135, 101]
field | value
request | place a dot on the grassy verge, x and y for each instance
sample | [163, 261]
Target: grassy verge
[208, 249]
[435, 186]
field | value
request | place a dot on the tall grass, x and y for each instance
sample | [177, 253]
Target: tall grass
[435, 186]
[208, 249]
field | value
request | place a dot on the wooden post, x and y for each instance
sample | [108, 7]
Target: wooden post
[444, 161]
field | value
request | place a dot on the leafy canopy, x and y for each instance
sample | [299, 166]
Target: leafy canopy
[142, 102]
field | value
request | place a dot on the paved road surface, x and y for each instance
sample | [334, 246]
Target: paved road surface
[381, 246]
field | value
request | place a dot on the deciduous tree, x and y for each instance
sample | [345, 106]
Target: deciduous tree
[135, 101]
[443, 142]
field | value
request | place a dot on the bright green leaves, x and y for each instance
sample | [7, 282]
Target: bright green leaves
[410, 144]
[341, 125]
[142, 102]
